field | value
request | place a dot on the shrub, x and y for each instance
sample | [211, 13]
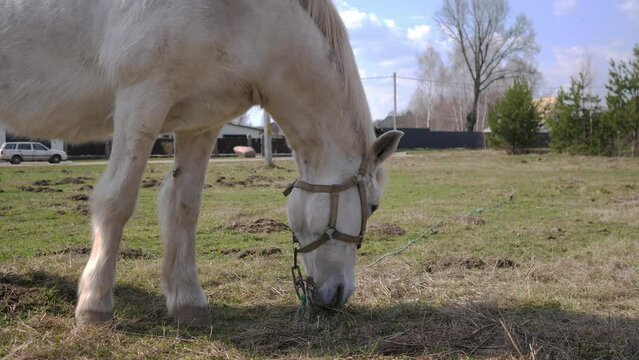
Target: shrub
[515, 119]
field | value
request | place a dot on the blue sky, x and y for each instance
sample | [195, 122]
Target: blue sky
[388, 35]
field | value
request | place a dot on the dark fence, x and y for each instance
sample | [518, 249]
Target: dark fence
[102, 149]
[90, 149]
[426, 139]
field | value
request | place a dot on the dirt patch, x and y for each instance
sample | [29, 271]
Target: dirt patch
[263, 252]
[4, 209]
[86, 188]
[505, 264]
[241, 254]
[80, 197]
[83, 209]
[67, 251]
[16, 298]
[42, 183]
[134, 254]
[125, 253]
[258, 226]
[151, 183]
[252, 180]
[78, 180]
[230, 251]
[385, 229]
[628, 201]
[39, 189]
[555, 234]
[468, 263]
[37, 291]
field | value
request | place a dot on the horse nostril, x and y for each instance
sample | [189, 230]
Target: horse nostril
[373, 208]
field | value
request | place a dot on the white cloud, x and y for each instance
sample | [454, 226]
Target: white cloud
[569, 61]
[563, 7]
[631, 9]
[390, 23]
[353, 19]
[381, 47]
[419, 35]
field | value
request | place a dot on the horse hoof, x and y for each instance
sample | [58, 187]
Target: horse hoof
[193, 316]
[83, 318]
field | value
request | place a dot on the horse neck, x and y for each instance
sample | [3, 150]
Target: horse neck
[321, 106]
[324, 119]
[328, 141]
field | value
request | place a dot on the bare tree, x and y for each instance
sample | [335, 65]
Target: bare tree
[587, 68]
[432, 73]
[487, 45]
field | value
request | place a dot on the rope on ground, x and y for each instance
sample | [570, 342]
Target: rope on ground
[432, 229]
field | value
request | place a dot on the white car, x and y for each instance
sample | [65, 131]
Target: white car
[17, 152]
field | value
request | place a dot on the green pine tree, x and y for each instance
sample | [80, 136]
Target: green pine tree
[623, 99]
[515, 119]
[578, 123]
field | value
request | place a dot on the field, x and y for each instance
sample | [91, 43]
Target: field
[537, 257]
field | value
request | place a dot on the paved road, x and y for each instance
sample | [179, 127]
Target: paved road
[152, 161]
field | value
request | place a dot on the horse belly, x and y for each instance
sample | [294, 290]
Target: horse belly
[73, 110]
[50, 82]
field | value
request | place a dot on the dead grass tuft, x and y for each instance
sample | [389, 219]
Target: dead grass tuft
[386, 229]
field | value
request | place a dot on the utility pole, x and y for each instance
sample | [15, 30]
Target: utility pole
[394, 101]
[267, 143]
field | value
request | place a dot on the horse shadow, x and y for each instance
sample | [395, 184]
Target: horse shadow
[473, 329]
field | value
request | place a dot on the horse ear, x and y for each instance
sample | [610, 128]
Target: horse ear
[386, 145]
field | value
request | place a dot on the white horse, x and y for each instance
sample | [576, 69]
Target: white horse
[132, 69]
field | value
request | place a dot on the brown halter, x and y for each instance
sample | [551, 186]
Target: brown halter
[331, 231]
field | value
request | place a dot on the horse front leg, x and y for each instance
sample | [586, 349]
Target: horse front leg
[139, 114]
[179, 207]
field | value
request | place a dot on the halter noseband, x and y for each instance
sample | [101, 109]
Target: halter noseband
[331, 231]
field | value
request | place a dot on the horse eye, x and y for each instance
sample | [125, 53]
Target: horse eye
[373, 208]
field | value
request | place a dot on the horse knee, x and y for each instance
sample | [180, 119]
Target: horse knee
[112, 205]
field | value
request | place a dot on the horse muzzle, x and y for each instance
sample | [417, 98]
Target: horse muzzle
[329, 296]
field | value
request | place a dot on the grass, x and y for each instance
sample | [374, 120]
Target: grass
[551, 274]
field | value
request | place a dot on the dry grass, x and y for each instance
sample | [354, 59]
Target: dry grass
[552, 275]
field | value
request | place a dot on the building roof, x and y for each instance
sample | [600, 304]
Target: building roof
[244, 126]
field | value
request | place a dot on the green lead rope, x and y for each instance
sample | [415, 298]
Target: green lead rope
[302, 312]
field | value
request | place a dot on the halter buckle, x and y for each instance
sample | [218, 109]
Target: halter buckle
[359, 177]
[330, 232]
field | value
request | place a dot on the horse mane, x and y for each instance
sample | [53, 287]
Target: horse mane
[330, 24]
